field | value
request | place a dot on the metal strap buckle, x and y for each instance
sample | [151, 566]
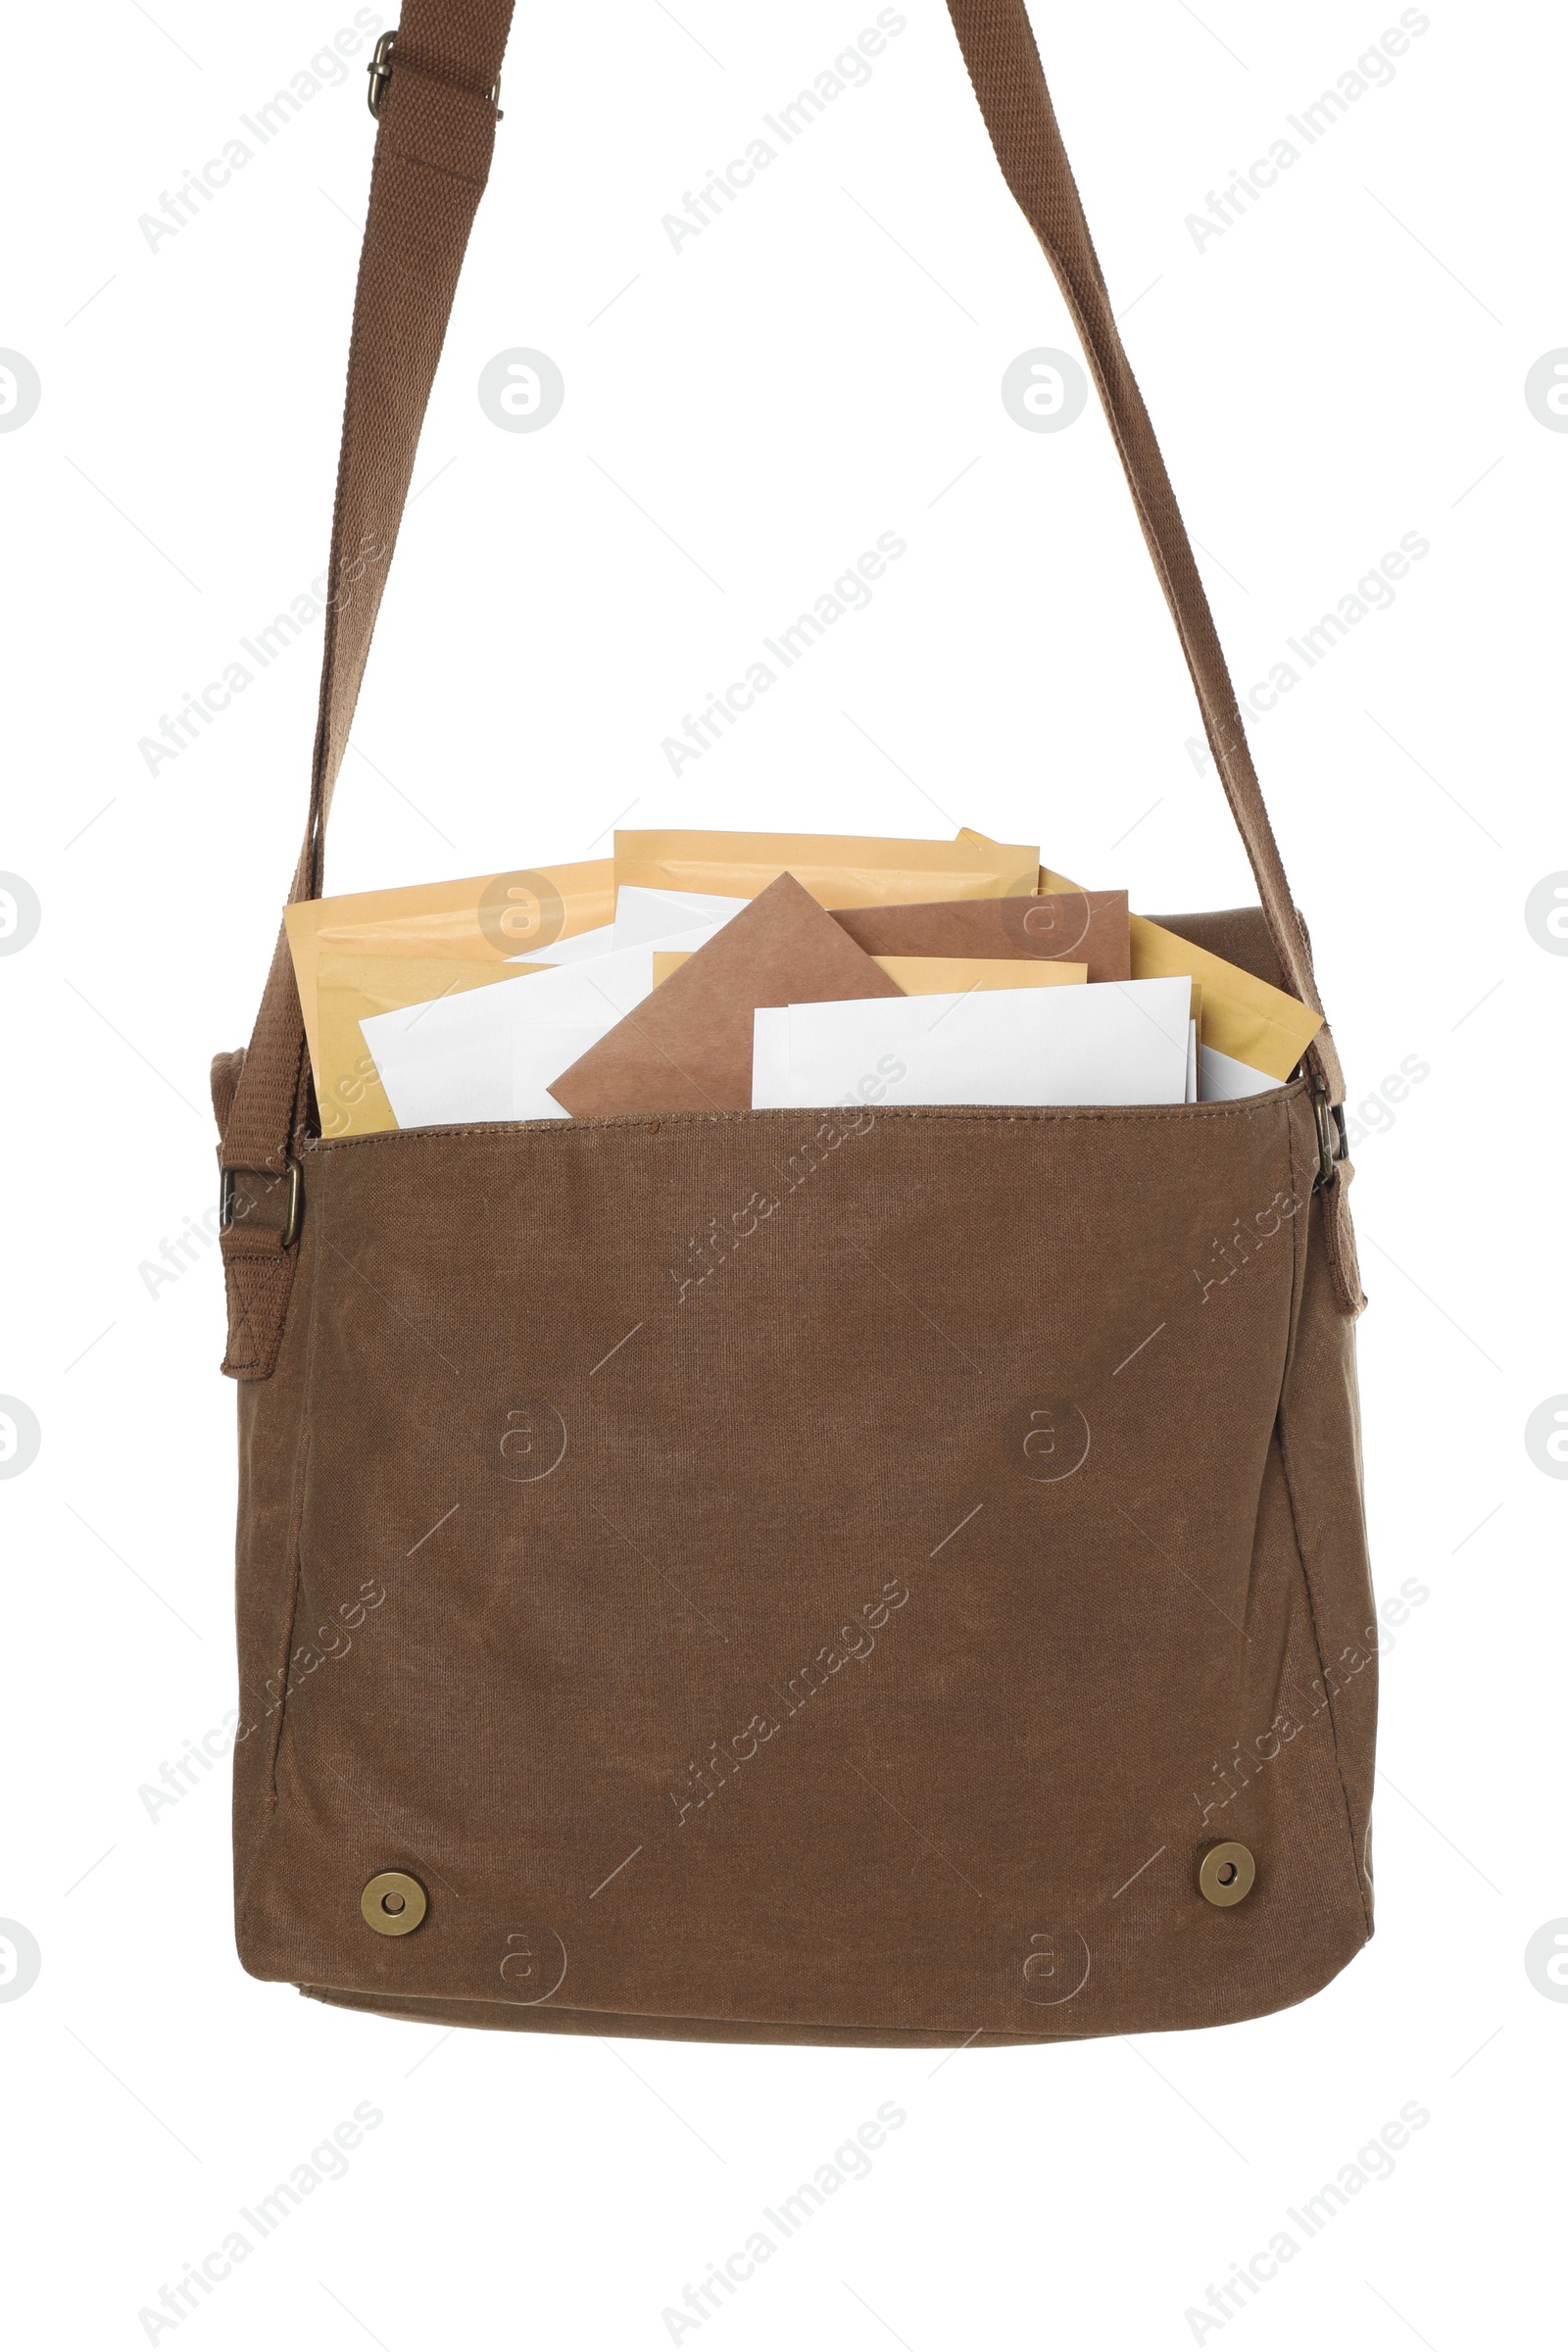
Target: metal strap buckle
[1332, 1145]
[296, 1198]
[379, 70]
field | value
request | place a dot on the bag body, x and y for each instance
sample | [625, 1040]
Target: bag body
[845, 1577]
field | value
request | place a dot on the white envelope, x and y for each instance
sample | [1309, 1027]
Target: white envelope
[1120, 1041]
[643, 914]
[448, 1061]
[1221, 1078]
[581, 949]
[1192, 1061]
[771, 1059]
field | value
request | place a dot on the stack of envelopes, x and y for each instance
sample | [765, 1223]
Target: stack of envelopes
[708, 971]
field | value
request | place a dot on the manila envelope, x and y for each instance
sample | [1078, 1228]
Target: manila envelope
[479, 917]
[932, 975]
[839, 870]
[1086, 927]
[688, 1046]
[1241, 1016]
[349, 1093]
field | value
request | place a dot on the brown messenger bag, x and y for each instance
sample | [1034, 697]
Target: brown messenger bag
[948, 1622]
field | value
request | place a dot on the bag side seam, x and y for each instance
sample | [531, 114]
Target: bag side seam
[1302, 1240]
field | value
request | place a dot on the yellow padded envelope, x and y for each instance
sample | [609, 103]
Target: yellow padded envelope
[839, 870]
[956, 975]
[938, 975]
[1238, 1016]
[1242, 1016]
[481, 917]
[349, 988]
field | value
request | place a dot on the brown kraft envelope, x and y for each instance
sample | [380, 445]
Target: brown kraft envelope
[688, 1047]
[1082, 926]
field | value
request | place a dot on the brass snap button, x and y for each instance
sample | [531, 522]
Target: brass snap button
[393, 1903]
[1225, 1874]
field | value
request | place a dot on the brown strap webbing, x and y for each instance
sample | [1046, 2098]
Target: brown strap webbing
[999, 48]
[432, 158]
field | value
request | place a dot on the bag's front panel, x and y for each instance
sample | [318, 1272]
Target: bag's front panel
[826, 1571]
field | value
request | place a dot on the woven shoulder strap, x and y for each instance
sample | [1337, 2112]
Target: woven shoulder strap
[433, 157]
[437, 124]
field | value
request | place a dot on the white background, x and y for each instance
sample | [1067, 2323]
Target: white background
[1344, 365]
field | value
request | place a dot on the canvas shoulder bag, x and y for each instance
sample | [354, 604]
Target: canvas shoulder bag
[789, 1576]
